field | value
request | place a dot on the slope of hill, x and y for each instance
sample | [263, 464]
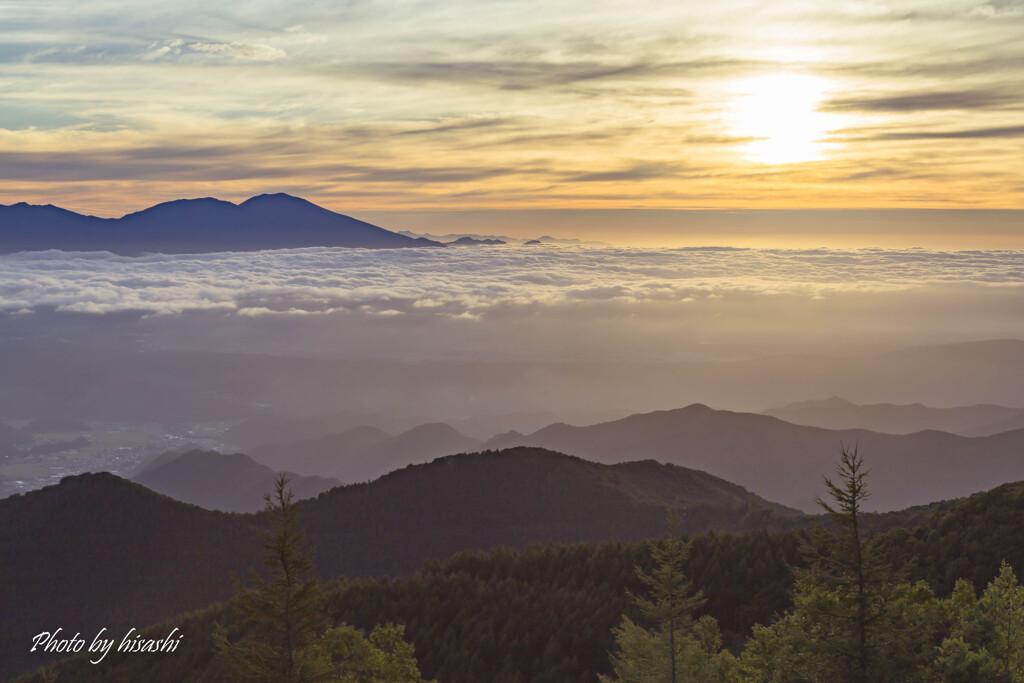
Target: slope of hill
[837, 413]
[98, 551]
[269, 221]
[968, 539]
[365, 453]
[220, 481]
[786, 462]
[512, 498]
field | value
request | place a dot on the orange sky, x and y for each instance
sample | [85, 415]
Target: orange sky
[375, 107]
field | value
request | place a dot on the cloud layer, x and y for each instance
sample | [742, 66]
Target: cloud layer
[506, 302]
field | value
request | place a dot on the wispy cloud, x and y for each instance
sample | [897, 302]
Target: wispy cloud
[424, 105]
[963, 134]
[928, 101]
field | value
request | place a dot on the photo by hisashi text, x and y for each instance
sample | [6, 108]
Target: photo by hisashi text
[132, 642]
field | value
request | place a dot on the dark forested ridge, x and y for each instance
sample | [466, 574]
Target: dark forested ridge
[545, 614]
[268, 221]
[97, 550]
[513, 498]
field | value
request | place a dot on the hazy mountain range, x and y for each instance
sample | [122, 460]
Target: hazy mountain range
[268, 221]
[837, 413]
[779, 460]
[786, 462]
[261, 430]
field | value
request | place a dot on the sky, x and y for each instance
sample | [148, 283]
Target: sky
[415, 114]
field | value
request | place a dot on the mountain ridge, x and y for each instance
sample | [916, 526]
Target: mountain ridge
[203, 225]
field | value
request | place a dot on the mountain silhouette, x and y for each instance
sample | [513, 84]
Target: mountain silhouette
[193, 226]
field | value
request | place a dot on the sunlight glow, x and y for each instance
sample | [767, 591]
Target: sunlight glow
[781, 111]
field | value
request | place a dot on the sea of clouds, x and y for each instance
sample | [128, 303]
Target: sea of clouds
[587, 301]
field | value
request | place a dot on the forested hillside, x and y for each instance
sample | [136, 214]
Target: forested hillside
[546, 613]
[99, 551]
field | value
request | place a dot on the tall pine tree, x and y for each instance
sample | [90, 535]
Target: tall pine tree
[676, 648]
[280, 613]
[854, 620]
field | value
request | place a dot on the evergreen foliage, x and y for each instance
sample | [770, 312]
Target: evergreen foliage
[676, 649]
[285, 640]
[280, 614]
[854, 619]
[985, 636]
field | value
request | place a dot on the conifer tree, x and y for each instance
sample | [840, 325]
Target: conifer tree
[985, 641]
[281, 613]
[1003, 605]
[286, 636]
[676, 649]
[854, 620]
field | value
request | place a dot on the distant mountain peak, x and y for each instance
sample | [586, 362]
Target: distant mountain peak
[279, 199]
[192, 226]
[274, 195]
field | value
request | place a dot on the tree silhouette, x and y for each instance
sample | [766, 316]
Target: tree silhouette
[854, 619]
[280, 613]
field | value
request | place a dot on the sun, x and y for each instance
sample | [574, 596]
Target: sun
[781, 112]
